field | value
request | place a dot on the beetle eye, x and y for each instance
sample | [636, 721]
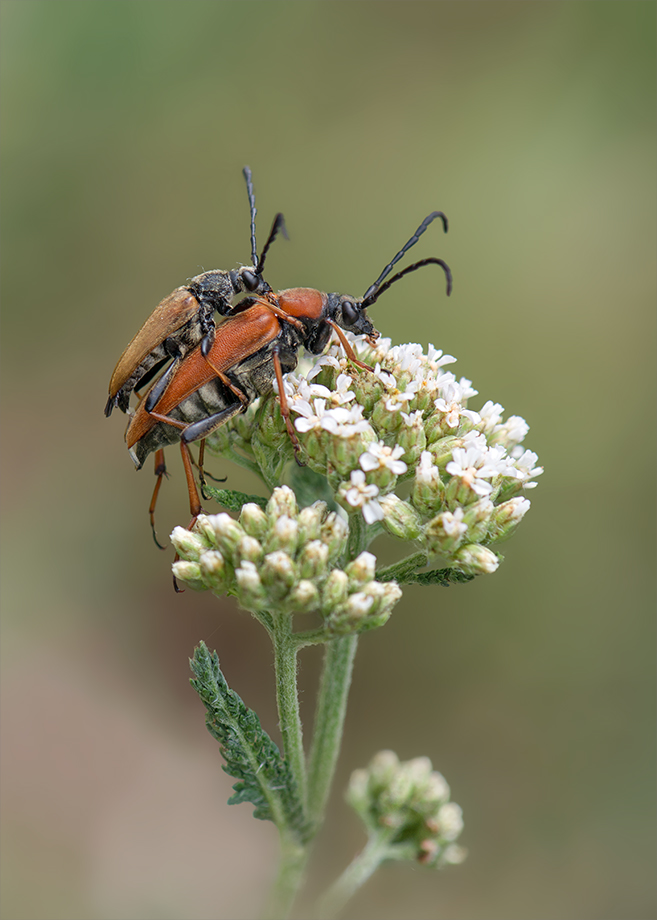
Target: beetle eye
[250, 280]
[350, 312]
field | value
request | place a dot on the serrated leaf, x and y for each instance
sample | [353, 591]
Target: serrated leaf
[405, 573]
[251, 756]
[232, 500]
[444, 577]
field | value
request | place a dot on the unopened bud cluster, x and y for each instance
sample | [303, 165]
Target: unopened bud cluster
[409, 802]
[285, 560]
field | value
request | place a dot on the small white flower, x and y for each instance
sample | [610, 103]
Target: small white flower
[491, 415]
[378, 456]
[471, 466]
[298, 389]
[436, 359]
[342, 394]
[412, 419]
[312, 416]
[363, 496]
[426, 471]
[513, 431]
[345, 423]
[524, 468]
[396, 400]
[386, 378]
[452, 402]
[327, 360]
[453, 523]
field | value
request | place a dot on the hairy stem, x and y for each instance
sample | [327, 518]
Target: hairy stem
[287, 700]
[355, 875]
[290, 875]
[329, 722]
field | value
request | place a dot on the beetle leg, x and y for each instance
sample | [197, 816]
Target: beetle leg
[201, 471]
[204, 427]
[156, 392]
[348, 350]
[235, 390]
[160, 472]
[194, 501]
[276, 310]
[285, 409]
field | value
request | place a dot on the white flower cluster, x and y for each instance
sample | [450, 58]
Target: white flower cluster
[409, 420]
[285, 560]
[410, 802]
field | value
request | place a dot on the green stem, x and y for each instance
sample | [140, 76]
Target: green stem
[287, 700]
[291, 870]
[329, 722]
[355, 875]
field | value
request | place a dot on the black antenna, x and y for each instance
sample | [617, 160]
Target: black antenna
[368, 301]
[249, 189]
[373, 292]
[279, 224]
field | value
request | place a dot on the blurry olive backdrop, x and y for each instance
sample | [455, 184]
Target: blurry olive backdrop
[532, 125]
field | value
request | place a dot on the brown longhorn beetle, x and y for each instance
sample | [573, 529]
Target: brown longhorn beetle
[186, 317]
[257, 343]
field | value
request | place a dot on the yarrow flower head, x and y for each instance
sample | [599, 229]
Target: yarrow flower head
[407, 420]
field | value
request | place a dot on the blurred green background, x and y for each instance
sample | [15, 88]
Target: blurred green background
[532, 125]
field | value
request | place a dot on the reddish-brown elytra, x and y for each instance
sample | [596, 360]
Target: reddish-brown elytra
[186, 317]
[255, 345]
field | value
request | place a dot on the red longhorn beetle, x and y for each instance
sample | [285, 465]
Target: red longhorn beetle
[257, 343]
[186, 317]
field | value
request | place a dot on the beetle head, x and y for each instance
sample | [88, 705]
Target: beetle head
[350, 314]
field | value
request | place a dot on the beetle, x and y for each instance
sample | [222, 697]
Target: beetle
[255, 345]
[186, 317]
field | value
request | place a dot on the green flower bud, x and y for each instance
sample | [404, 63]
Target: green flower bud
[310, 521]
[284, 535]
[334, 532]
[282, 502]
[334, 592]
[412, 437]
[278, 574]
[450, 821]
[213, 570]
[428, 489]
[227, 533]
[361, 570]
[441, 450]
[189, 546]
[250, 592]
[445, 532]
[368, 390]
[506, 517]
[203, 527]
[454, 855]
[249, 549]
[477, 518]
[475, 559]
[400, 519]
[458, 493]
[313, 560]
[254, 521]
[358, 791]
[343, 452]
[190, 573]
[382, 768]
[387, 423]
[304, 598]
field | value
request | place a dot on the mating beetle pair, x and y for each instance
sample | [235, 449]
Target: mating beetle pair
[216, 371]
